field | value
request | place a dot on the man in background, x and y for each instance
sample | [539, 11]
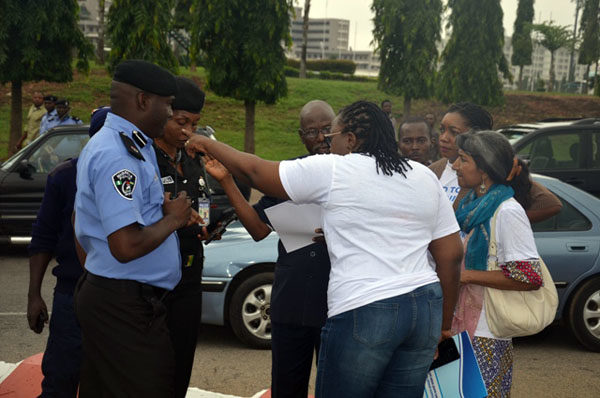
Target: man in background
[62, 118]
[48, 119]
[414, 140]
[299, 295]
[34, 118]
[386, 106]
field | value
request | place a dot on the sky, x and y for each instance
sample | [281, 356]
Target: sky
[358, 12]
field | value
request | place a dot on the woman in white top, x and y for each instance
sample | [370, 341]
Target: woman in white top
[460, 118]
[487, 166]
[381, 214]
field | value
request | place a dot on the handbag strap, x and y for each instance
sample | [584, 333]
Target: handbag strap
[492, 262]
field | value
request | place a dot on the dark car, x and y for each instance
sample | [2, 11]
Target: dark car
[567, 149]
[23, 180]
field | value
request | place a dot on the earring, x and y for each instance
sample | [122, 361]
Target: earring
[482, 187]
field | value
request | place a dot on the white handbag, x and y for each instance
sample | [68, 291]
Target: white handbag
[513, 313]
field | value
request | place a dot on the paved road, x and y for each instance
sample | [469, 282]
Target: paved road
[550, 364]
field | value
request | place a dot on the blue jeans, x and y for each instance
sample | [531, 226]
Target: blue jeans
[382, 349]
[62, 358]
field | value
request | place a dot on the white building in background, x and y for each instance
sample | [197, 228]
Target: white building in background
[540, 67]
[88, 18]
[327, 38]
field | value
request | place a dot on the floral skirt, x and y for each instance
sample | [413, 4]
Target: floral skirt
[495, 359]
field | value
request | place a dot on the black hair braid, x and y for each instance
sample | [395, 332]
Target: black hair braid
[369, 123]
[476, 117]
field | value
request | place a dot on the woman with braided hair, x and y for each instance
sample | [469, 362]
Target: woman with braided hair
[381, 213]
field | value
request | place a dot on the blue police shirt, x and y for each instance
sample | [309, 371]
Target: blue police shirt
[114, 190]
[49, 120]
[67, 120]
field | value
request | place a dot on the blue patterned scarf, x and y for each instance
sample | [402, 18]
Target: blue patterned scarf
[475, 213]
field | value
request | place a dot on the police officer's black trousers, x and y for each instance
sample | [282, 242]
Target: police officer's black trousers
[126, 347]
[184, 309]
[292, 349]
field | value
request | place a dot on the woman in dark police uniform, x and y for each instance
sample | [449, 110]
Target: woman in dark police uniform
[180, 172]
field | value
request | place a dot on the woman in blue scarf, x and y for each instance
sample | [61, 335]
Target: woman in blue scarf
[487, 165]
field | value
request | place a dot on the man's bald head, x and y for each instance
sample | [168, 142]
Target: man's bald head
[313, 109]
[315, 120]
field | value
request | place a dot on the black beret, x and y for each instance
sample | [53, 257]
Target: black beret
[189, 97]
[50, 98]
[97, 120]
[146, 76]
[62, 101]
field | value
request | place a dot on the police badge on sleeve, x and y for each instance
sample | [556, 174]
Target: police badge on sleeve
[124, 183]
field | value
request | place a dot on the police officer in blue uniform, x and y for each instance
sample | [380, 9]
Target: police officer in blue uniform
[63, 118]
[180, 171]
[52, 236]
[48, 119]
[299, 296]
[126, 225]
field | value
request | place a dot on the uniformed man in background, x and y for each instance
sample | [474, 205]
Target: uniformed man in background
[62, 118]
[48, 118]
[126, 225]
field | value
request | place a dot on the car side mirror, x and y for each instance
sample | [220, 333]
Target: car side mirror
[25, 169]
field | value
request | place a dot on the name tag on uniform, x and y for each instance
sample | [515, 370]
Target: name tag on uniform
[204, 211]
[167, 180]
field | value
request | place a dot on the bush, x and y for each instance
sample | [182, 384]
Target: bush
[329, 65]
[290, 71]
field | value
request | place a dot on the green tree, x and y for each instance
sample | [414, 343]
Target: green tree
[37, 42]
[304, 39]
[243, 44]
[552, 37]
[521, 39]
[138, 29]
[473, 56]
[589, 51]
[406, 32]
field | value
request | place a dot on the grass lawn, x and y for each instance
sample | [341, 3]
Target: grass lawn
[277, 125]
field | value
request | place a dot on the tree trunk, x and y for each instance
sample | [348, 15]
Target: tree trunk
[572, 57]
[249, 134]
[551, 82]
[100, 49]
[304, 39]
[587, 78]
[16, 115]
[407, 103]
[520, 77]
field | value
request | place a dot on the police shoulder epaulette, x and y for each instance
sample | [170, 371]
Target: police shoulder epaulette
[130, 146]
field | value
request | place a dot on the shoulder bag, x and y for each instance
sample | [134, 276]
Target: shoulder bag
[513, 313]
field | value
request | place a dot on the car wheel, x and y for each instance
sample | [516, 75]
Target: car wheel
[584, 314]
[250, 310]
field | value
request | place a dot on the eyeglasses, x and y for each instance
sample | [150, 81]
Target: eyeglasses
[328, 137]
[314, 133]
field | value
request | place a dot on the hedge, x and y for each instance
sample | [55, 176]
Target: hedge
[329, 65]
[325, 75]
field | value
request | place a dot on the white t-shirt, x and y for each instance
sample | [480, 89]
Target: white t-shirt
[515, 242]
[449, 182]
[378, 227]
